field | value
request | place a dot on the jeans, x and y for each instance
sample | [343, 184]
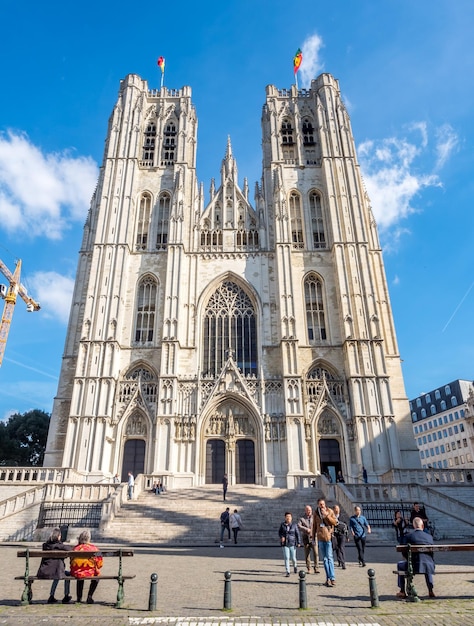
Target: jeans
[223, 527]
[234, 532]
[289, 554]
[130, 491]
[325, 553]
[360, 545]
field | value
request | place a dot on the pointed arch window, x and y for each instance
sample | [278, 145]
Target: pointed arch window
[308, 132]
[164, 203]
[168, 155]
[149, 139]
[287, 140]
[296, 220]
[143, 222]
[317, 223]
[145, 312]
[229, 330]
[314, 304]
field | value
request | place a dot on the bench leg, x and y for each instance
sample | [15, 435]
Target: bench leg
[27, 595]
[120, 593]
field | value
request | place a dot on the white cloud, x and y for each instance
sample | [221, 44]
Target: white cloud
[54, 293]
[446, 144]
[311, 65]
[41, 193]
[396, 170]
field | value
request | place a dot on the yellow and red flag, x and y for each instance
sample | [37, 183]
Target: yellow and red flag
[297, 60]
[161, 64]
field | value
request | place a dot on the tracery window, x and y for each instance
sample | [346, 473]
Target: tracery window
[317, 375]
[143, 222]
[168, 154]
[314, 304]
[229, 329]
[145, 311]
[308, 133]
[164, 203]
[296, 220]
[149, 138]
[287, 141]
[317, 224]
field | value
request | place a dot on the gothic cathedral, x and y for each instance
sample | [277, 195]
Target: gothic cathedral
[247, 336]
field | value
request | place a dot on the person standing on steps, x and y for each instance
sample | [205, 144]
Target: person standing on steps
[305, 525]
[360, 527]
[236, 524]
[290, 540]
[225, 520]
[225, 484]
[324, 521]
[130, 485]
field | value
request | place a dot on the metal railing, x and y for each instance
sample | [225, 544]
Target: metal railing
[70, 514]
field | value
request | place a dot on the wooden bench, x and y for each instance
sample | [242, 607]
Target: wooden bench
[411, 549]
[28, 579]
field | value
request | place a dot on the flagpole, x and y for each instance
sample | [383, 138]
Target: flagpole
[296, 80]
[162, 79]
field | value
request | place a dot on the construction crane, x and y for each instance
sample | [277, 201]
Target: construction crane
[9, 294]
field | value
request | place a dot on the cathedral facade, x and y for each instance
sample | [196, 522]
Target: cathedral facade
[247, 336]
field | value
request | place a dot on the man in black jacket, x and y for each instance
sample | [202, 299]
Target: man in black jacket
[423, 562]
[290, 540]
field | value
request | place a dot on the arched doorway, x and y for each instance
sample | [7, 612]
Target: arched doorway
[245, 461]
[215, 461]
[133, 458]
[330, 457]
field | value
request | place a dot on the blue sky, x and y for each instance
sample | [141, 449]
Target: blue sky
[406, 72]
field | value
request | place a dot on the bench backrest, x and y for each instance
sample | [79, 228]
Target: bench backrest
[64, 554]
[459, 547]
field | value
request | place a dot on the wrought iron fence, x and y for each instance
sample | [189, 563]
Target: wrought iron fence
[381, 514]
[70, 514]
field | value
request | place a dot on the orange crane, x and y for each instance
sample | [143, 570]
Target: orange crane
[9, 294]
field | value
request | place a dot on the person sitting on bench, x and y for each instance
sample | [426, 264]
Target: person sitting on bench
[423, 562]
[83, 566]
[54, 569]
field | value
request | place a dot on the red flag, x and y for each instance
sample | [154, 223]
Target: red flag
[297, 60]
[161, 64]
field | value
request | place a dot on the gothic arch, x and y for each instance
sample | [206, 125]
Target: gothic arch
[232, 421]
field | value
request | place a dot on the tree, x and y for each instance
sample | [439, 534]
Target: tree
[23, 438]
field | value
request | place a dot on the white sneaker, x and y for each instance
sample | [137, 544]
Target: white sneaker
[221, 546]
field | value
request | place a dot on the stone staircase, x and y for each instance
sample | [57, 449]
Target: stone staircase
[191, 516]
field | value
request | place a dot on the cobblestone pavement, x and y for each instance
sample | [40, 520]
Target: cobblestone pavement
[190, 591]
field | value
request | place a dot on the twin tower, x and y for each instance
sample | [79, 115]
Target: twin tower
[244, 333]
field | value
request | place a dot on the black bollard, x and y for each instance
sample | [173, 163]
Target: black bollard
[303, 596]
[153, 591]
[227, 592]
[374, 596]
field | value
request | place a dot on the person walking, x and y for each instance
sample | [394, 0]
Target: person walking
[130, 485]
[54, 569]
[305, 525]
[225, 484]
[423, 562]
[235, 522]
[324, 521]
[339, 538]
[83, 566]
[225, 521]
[359, 527]
[290, 540]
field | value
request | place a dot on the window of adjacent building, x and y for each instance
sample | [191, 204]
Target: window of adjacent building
[442, 448]
[414, 415]
[450, 431]
[314, 306]
[430, 424]
[448, 448]
[447, 390]
[425, 427]
[317, 224]
[445, 432]
[437, 394]
[440, 421]
[451, 418]
[433, 409]
[424, 438]
[419, 441]
[149, 138]
[296, 220]
[163, 217]
[229, 330]
[464, 443]
[427, 398]
[445, 419]
[443, 405]
[445, 463]
[431, 452]
[423, 412]
[143, 222]
[415, 430]
[456, 460]
[454, 401]
[429, 437]
[422, 454]
[145, 311]
[418, 402]
[450, 462]
[462, 458]
[461, 427]
[168, 153]
[456, 429]
[437, 450]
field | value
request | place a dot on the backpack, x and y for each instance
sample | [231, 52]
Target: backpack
[341, 529]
